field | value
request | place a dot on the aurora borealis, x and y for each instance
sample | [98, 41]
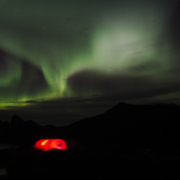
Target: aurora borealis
[100, 50]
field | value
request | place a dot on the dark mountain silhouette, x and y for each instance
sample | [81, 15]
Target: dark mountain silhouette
[18, 131]
[16, 121]
[129, 125]
[125, 142]
[4, 131]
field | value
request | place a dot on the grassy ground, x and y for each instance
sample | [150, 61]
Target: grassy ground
[101, 164]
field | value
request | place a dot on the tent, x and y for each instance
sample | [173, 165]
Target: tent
[49, 144]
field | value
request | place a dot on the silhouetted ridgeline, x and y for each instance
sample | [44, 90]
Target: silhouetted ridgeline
[125, 142]
[129, 125]
[132, 125]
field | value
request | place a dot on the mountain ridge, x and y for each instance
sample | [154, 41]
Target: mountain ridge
[129, 125]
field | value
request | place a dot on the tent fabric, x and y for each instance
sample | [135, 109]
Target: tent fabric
[49, 144]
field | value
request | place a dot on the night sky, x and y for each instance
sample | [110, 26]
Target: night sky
[61, 61]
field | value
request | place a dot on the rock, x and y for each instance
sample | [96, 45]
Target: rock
[17, 121]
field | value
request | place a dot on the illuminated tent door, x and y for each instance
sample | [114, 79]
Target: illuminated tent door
[49, 144]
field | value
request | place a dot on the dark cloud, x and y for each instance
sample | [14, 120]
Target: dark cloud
[122, 88]
[88, 80]
[144, 67]
[20, 75]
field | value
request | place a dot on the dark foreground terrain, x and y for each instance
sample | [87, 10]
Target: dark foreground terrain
[126, 142]
[121, 164]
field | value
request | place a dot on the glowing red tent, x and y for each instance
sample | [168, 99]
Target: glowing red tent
[49, 144]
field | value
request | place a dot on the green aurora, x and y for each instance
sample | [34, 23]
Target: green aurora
[77, 49]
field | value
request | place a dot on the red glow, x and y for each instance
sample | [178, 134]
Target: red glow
[49, 144]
